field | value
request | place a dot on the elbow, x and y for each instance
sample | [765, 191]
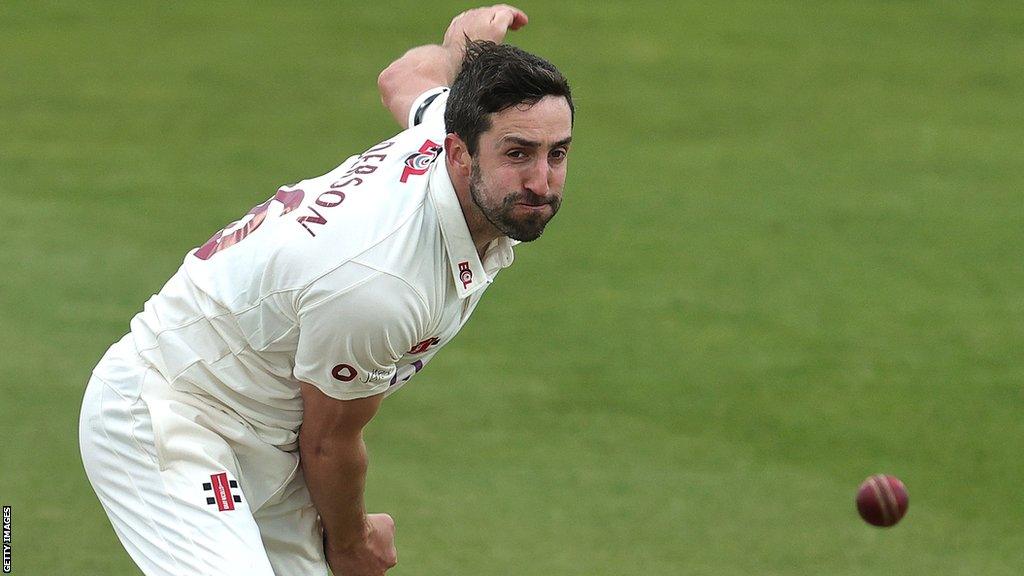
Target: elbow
[312, 445]
[387, 82]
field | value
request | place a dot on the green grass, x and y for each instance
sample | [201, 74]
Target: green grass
[789, 257]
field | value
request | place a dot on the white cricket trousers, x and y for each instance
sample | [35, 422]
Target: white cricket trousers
[188, 486]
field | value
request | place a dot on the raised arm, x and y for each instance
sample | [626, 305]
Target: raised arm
[426, 67]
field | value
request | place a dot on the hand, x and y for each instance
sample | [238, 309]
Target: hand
[491, 23]
[374, 556]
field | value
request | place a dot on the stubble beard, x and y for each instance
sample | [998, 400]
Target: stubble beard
[524, 229]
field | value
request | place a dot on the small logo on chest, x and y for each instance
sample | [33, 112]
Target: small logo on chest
[465, 274]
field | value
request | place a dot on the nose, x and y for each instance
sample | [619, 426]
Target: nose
[538, 179]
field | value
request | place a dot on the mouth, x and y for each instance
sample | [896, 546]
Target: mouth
[532, 207]
[531, 201]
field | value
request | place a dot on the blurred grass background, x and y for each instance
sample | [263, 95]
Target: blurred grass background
[789, 257]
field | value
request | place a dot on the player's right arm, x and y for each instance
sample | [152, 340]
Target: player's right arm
[426, 67]
[355, 323]
[334, 463]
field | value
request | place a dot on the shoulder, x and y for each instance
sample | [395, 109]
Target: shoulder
[363, 286]
[351, 336]
[373, 207]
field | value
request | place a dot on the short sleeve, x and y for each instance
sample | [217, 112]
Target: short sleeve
[350, 340]
[429, 107]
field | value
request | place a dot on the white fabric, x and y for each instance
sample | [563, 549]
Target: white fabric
[350, 281]
[151, 453]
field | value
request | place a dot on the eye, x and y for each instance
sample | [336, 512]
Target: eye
[558, 154]
[516, 154]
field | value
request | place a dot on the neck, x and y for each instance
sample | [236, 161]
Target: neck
[482, 231]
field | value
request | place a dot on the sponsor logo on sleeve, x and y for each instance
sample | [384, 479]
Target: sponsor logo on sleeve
[423, 346]
[344, 373]
[374, 376]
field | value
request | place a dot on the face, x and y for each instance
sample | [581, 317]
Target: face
[519, 168]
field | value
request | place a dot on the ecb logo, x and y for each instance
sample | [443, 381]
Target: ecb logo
[418, 163]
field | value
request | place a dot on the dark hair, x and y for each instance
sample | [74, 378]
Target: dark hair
[495, 77]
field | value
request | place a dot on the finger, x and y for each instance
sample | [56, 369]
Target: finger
[512, 18]
[519, 20]
[502, 20]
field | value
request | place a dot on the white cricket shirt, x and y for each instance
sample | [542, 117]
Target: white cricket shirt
[350, 281]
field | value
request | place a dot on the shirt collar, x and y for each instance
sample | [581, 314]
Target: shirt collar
[469, 273]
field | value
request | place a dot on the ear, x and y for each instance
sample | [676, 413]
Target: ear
[457, 154]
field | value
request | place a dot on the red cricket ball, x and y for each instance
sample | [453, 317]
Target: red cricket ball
[882, 500]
